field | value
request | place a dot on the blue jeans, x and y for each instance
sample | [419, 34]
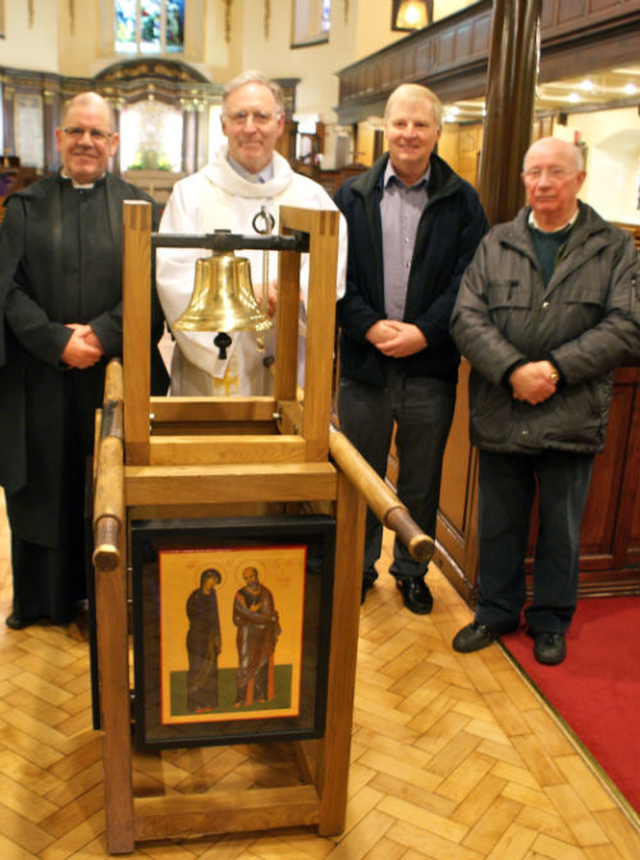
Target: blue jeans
[506, 490]
[422, 409]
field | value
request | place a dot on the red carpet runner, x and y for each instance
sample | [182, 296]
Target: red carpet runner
[596, 690]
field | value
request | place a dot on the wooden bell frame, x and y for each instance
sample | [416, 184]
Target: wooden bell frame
[192, 457]
[180, 456]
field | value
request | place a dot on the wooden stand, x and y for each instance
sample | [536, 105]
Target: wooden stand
[180, 456]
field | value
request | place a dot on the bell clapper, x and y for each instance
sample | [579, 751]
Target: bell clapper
[222, 341]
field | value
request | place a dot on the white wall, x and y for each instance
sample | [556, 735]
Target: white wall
[26, 47]
[613, 160]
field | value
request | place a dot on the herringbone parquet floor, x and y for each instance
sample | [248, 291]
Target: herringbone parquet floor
[453, 757]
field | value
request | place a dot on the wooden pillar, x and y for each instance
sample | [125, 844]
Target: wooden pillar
[511, 81]
[514, 54]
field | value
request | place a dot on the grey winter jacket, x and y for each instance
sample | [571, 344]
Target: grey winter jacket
[585, 321]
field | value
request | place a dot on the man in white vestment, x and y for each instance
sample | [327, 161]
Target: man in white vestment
[240, 190]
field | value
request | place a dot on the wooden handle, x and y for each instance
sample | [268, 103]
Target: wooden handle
[420, 545]
[113, 381]
[106, 556]
[382, 501]
[108, 503]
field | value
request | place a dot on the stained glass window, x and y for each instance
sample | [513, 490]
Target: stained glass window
[150, 12]
[326, 16]
[126, 26]
[149, 26]
[174, 32]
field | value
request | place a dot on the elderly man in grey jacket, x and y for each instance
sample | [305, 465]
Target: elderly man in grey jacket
[546, 311]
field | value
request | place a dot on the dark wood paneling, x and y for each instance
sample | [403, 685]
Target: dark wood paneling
[451, 55]
[610, 535]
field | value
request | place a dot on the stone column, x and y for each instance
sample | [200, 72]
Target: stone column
[117, 104]
[9, 142]
[189, 136]
[50, 123]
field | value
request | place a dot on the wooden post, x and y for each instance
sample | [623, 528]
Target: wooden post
[136, 310]
[332, 775]
[285, 376]
[322, 228]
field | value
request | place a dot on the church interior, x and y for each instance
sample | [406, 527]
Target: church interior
[451, 755]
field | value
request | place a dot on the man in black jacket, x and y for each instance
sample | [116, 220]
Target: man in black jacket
[60, 323]
[413, 227]
[546, 311]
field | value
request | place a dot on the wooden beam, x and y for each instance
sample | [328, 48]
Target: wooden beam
[213, 409]
[278, 482]
[217, 450]
[220, 811]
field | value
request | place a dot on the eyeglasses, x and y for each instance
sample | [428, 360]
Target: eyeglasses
[260, 118]
[96, 135]
[555, 173]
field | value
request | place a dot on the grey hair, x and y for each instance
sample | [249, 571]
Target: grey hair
[254, 77]
[415, 92]
[572, 150]
[86, 99]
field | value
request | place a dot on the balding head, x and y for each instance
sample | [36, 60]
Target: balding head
[86, 137]
[564, 148]
[553, 175]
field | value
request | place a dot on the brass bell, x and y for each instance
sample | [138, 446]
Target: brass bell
[223, 298]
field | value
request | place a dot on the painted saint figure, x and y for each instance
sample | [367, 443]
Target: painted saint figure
[255, 616]
[203, 643]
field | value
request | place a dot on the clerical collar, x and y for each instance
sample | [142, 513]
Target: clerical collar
[263, 175]
[533, 222]
[80, 186]
[390, 174]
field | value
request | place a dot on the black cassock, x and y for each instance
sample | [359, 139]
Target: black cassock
[60, 262]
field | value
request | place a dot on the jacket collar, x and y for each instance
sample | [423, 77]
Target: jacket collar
[588, 223]
[442, 182]
[590, 228]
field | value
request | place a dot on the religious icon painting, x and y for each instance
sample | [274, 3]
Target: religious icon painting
[231, 629]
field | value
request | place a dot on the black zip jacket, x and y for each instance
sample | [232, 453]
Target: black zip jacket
[451, 226]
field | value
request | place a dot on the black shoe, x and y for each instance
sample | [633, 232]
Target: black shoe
[14, 622]
[473, 637]
[416, 595]
[549, 647]
[368, 579]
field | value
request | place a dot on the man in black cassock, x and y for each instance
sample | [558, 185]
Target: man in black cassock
[60, 324]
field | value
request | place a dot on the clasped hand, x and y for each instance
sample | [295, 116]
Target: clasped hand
[83, 348]
[532, 382]
[396, 339]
